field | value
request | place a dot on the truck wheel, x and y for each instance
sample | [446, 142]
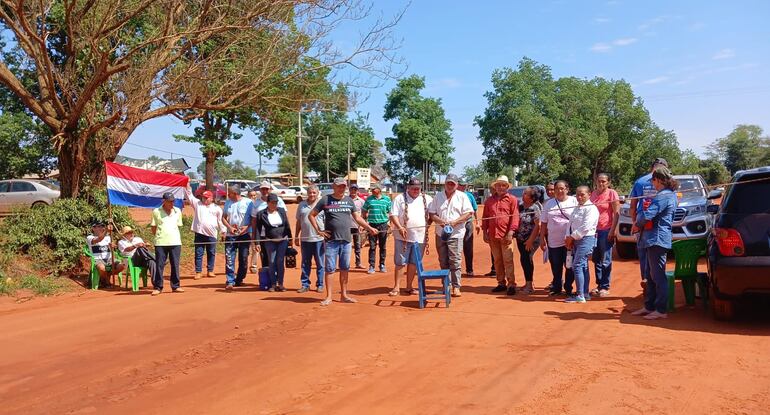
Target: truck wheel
[625, 250]
[721, 309]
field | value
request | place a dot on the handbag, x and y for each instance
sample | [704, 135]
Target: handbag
[291, 258]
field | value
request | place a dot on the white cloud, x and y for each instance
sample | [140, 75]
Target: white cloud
[601, 20]
[653, 22]
[601, 47]
[624, 41]
[655, 80]
[724, 54]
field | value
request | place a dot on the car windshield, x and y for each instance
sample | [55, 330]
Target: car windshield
[48, 185]
[324, 186]
[280, 186]
[691, 188]
[748, 198]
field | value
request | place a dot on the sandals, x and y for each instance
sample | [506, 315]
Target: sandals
[393, 293]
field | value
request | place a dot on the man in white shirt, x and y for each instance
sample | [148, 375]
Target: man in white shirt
[450, 210]
[410, 219]
[554, 228]
[206, 224]
[100, 245]
[128, 246]
[582, 240]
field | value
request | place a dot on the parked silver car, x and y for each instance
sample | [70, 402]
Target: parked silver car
[24, 192]
[691, 218]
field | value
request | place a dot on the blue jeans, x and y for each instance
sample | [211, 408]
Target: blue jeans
[312, 251]
[557, 257]
[337, 250]
[235, 245]
[207, 244]
[602, 258]
[656, 293]
[172, 253]
[644, 267]
[582, 250]
[276, 251]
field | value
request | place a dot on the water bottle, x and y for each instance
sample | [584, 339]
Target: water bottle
[569, 260]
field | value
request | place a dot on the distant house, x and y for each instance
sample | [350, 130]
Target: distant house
[173, 166]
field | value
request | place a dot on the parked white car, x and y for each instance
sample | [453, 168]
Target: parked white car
[29, 193]
[301, 192]
[243, 184]
[285, 193]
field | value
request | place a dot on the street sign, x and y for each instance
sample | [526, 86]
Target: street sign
[364, 178]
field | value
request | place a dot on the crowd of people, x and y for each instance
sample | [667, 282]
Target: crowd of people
[571, 231]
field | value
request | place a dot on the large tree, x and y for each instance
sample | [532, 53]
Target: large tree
[104, 67]
[224, 170]
[743, 148]
[568, 128]
[421, 134]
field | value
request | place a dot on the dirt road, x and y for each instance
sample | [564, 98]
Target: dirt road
[208, 351]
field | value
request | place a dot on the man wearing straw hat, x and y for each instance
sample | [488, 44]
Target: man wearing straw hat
[450, 210]
[500, 221]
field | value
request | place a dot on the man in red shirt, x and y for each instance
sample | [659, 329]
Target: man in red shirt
[499, 222]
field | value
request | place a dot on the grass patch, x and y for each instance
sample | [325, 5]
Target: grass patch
[44, 286]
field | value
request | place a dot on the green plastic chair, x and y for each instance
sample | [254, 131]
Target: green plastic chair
[94, 272]
[134, 273]
[687, 252]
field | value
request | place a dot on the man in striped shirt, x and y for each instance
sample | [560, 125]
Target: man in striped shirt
[376, 211]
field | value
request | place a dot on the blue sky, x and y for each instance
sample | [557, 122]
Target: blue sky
[701, 67]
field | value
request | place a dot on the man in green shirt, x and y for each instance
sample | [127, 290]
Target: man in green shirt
[376, 211]
[165, 224]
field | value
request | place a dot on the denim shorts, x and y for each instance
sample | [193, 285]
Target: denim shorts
[402, 257]
[337, 250]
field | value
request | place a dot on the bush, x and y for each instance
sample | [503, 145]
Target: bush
[54, 236]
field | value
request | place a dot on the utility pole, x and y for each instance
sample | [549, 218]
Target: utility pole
[259, 172]
[348, 174]
[327, 159]
[299, 145]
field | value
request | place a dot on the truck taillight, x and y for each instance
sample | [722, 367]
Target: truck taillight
[729, 242]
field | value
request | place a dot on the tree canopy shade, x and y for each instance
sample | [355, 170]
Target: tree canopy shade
[569, 128]
[422, 133]
[101, 68]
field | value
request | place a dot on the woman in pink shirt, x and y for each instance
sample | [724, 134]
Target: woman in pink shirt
[608, 203]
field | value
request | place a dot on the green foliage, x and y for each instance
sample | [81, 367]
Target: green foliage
[25, 146]
[38, 285]
[338, 127]
[569, 128]
[713, 171]
[744, 148]
[422, 133]
[53, 236]
[226, 170]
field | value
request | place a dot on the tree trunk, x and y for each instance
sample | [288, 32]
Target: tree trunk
[211, 157]
[72, 166]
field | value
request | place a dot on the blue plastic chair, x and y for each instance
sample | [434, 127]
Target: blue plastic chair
[423, 275]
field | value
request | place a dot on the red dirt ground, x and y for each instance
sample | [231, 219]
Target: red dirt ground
[208, 351]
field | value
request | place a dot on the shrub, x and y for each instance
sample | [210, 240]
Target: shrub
[54, 236]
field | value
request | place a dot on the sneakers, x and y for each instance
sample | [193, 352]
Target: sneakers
[382, 268]
[554, 293]
[271, 289]
[358, 265]
[229, 287]
[655, 316]
[197, 276]
[280, 288]
[178, 290]
[575, 299]
[211, 274]
[253, 270]
[500, 288]
[511, 290]
[604, 293]
[528, 288]
[641, 312]
[456, 292]
[469, 273]
[371, 270]
[320, 289]
[490, 274]
[156, 292]
[595, 291]
[303, 290]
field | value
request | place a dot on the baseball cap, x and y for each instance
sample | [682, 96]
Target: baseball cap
[272, 197]
[660, 161]
[414, 182]
[340, 181]
[353, 186]
[168, 196]
[376, 186]
[451, 177]
[97, 223]
[207, 194]
[265, 185]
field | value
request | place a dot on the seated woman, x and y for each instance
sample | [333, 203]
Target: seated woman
[275, 224]
[100, 245]
[130, 245]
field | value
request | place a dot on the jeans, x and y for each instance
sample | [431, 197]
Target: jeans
[644, 266]
[207, 244]
[356, 245]
[172, 253]
[312, 251]
[656, 293]
[581, 253]
[276, 251]
[602, 258]
[468, 247]
[263, 254]
[381, 238]
[525, 258]
[502, 254]
[450, 257]
[337, 251]
[235, 245]
[558, 257]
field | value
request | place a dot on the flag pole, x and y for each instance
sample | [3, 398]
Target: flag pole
[110, 228]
